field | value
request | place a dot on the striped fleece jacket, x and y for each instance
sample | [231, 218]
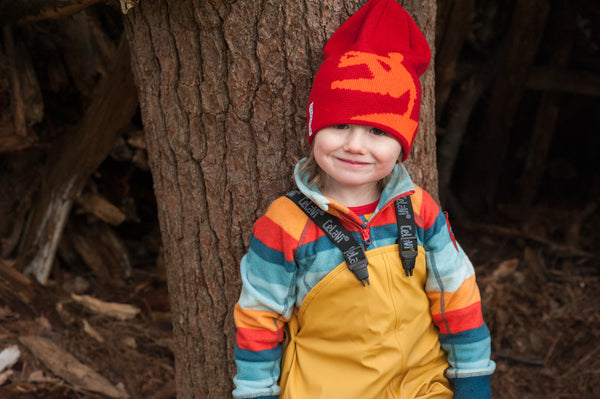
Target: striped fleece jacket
[289, 255]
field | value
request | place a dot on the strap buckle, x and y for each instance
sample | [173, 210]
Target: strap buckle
[408, 254]
[408, 261]
[357, 263]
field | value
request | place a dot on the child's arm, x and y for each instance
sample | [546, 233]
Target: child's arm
[456, 306]
[265, 304]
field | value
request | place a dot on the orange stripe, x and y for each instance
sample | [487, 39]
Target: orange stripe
[429, 210]
[257, 319]
[466, 295]
[284, 209]
[417, 199]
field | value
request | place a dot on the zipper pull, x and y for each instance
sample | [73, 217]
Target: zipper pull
[365, 234]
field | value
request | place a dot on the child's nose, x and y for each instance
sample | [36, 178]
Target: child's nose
[356, 140]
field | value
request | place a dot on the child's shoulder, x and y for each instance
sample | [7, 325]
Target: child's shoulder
[423, 203]
[284, 213]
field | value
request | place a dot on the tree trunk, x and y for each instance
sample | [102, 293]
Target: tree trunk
[223, 88]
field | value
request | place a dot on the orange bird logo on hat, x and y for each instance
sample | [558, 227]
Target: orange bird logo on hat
[388, 77]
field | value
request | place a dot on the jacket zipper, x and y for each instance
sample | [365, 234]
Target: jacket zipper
[365, 232]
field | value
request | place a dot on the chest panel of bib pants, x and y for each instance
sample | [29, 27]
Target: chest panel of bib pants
[379, 341]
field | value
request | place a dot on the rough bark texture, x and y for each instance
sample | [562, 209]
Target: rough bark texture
[422, 163]
[223, 88]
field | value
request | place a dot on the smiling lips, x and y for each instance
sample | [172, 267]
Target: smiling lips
[352, 162]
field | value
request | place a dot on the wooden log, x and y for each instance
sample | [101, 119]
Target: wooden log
[450, 44]
[18, 182]
[119, 311]
[560, 80]
[99, 206]
[547, 113]
[102, 250]
[559, 248]
[64, 365]
[26, 103]
[27, 11]
[74, 157]
[459, 116]
[517, 57]
[17, 291]
[81, 55]
[17, 103]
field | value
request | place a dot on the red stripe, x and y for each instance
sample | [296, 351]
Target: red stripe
[273, 236]
[459, 320]
[257, 340]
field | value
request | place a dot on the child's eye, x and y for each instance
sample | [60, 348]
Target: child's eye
[343, 126]
[377, 132]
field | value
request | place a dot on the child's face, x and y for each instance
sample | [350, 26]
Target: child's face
[354, 156]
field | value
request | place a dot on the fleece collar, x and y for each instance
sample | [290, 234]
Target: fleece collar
[400, 183]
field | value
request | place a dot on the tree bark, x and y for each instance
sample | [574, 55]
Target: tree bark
[223, 89]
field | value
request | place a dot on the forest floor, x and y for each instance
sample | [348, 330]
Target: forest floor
[540, 285]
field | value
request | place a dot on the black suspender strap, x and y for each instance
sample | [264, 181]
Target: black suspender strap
[407, 238]
[353, 252]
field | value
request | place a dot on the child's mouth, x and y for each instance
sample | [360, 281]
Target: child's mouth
[352, 162]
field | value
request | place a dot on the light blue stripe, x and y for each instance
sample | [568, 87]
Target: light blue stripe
[450, 268]
[269, 255]
[469, 357]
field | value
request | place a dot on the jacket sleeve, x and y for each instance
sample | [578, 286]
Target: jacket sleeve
[265, 305]
[456, 306]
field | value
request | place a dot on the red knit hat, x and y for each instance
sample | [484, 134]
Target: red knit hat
[370, 74]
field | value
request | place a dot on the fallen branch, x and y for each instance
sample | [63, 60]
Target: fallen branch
[120, 311]
[65, 366]
[528, 362]
[26, 11]
[506, 231]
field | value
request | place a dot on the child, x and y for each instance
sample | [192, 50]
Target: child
[400, 327]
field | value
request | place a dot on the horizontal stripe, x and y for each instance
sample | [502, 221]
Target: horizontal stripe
[428, 209]
[469, 356]
[258, 340]
[459, 320]
[257, 319]
[273, 256]
[284, 208]
[273, 236]
[279, 299]
[417, 200]
[433, 228]
[466, 295]
[466, 337]
[268, 355]
[450, 269]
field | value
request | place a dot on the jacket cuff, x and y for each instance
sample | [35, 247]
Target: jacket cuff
[472, 387]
